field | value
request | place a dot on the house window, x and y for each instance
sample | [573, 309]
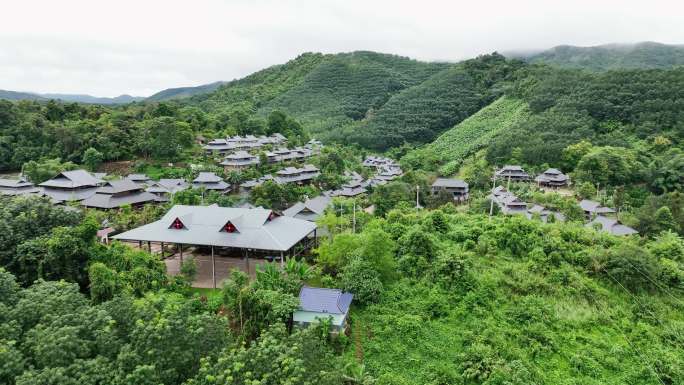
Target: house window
[177, 224]
[229, 228]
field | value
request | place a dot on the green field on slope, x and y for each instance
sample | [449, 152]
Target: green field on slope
[447, 152]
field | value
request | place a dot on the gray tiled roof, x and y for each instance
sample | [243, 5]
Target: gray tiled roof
[68, 195]
[594, 207]
[322, 300]
[309, 209]
[14, 183]
[447, 182]
[204, 226]
[207, 177]
[138, 177]
[167, 186]
[109, 201]
[611, 226]
[118, 186]
[72, 179]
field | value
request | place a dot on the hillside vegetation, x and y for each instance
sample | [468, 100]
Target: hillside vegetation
[613, 56]
[348, 87]
[511, 301]
[449, 150]
[183, 92]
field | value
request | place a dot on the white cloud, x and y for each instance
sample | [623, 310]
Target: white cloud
[140, 47]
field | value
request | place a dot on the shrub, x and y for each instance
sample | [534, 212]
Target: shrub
[360, 278]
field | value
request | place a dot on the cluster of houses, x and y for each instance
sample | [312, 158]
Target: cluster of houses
[240, 152]
[299, 175]
[90, 191]
[224, 146]
[596, 215]
[386, 169]
[552, 177]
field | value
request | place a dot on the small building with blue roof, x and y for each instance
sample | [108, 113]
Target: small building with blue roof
[316, 304]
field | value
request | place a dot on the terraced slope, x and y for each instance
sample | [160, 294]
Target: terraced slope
[447, 152]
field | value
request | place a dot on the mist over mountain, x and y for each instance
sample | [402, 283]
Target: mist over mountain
[609, 56]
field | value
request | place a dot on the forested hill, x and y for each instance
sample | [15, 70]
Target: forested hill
[376, 100]
[612, 56]
[76, 98]
[183, 92]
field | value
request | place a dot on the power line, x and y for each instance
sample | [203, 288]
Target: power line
[624, 335]
[656, 284]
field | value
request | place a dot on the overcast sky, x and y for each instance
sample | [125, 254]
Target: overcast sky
[143, 46]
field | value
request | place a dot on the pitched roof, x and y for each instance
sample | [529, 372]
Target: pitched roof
[323, 300]
[14, 183]
[612, 226]
[448, 182]
[207, 177]
[594, 207]
[72, 179]
[315, 208]
[240, 155]
[66, 195]
[164, 186]
[109, 201]
[204, 226]
[17, 187]
[138, 177]
[118, 186]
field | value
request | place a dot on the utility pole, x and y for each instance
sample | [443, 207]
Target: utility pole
[491, 194]
[418, 206]
[354, 218]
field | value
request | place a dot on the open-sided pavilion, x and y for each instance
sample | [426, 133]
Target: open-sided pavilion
[251, 231]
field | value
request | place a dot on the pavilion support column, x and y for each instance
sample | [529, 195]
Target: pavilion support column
[140, 245]
[315, 238]
[213, 268]
[180, 252]
[149, 246]
[282, 260]
[162, 250]
[246, 256]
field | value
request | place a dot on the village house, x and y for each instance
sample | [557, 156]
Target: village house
[310, 209]
[247, 186]
[70, 186]
[247, 232]
[611, 226]
[239, 160]
[317, 304]
[210, 181]
[302, 175]
[593, 208]
[544, 214]
[552, 178]
[456, 187]
[507, 202]
[118, 193]
[355, 187]
[17, 187]
[139, 179]
[165, 188]
[219, 146]
[512, 173]
[223, 146]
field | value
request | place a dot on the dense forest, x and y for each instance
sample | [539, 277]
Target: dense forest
[444, 293]
[611, 56]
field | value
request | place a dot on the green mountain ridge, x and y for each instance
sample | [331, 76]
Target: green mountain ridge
[372, 99]
[75, 98]
[612, 56]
